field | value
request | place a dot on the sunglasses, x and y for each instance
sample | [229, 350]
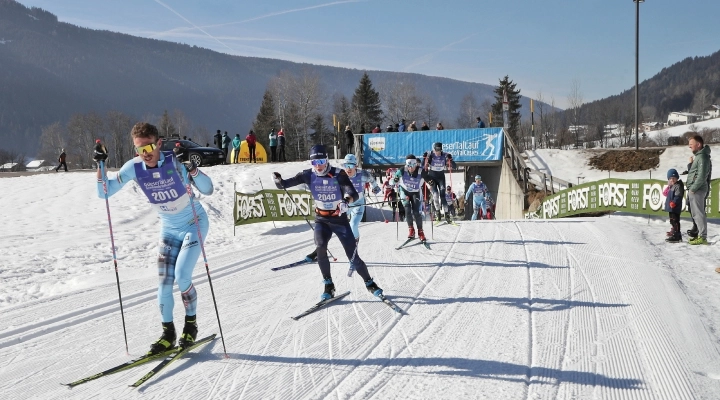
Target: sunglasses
[348, 165]
[411, 164]
[438, 149]
[319, 161]
[148, 148]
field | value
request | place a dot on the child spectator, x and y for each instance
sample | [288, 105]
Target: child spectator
[674, 193]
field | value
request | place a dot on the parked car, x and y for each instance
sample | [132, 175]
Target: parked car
[200, 155]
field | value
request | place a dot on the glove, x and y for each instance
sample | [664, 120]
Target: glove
[100, 152]
[407, 198]
[342, 208]
[449, 156]
[396, 179]
[180, 152]
[376, 190]
[430, 183]
[425, 154]
[277, 177]
[672, 204]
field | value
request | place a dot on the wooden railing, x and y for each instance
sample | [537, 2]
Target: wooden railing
[526, 176]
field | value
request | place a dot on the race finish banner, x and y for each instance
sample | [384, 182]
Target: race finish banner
[272, 205]
[639, 196]
[465, 145]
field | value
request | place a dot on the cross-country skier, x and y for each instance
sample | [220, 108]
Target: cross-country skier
[359, 178]
[332, 191]
[478, 190]
[158, 174]
[435, 163]
[391, 195]
[450, 199]
[410, 181]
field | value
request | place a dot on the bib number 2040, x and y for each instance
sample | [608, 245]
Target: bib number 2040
[165, 195]
[327, 197]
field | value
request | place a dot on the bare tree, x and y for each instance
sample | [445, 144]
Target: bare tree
[575, 100]
[429, 112]
[402, 101]
[181, 122]
[83, 130]
[307, 96]
[119, 143]
[469, 110]
[52, 141]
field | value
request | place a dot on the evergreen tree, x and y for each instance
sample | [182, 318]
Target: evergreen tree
[513, 96]
[265, 121]
[366, 103]
[166, 127]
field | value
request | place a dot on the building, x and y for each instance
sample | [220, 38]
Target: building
[12, 167]
[39, 165]
[711, 112]
[682, 118]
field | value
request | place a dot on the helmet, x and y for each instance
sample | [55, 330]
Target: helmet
[478, 178]
[317, 152]
[350, 159]
[448, 188]
[437, 146]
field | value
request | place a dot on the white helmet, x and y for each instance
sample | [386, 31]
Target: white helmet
[350, 159]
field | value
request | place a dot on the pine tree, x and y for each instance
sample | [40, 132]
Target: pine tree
[366, 103]
[166, 127]
[266, 121]
[513, 96]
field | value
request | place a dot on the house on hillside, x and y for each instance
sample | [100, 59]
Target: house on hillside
[38, 165]
[682, 118]
[12, 167]
[711, 112]
[652, 126]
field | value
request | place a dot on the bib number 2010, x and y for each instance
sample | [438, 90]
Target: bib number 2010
[165, 195]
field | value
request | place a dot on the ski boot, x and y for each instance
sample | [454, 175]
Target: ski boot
[438, 217]
[189, 333]
[312, 256]
[447, 218]
[373, 288]
[329, 292]
[421, 235]
[670, 233]
[692, 233]
[674, 238]
[411, 234]
[166, 341]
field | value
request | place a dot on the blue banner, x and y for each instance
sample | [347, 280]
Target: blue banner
[465, 145]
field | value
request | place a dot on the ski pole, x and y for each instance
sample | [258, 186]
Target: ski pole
[112, 243]
[202, 247]
[295, 205]
[381, 208]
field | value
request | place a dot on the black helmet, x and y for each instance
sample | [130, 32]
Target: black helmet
[317, 152]
[437, 146]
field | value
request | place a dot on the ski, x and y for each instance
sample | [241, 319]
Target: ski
[405, 243]
[122, 367]
[295, 264]
[178, 353]
[319, 305]
[425, 243]
[390, 304]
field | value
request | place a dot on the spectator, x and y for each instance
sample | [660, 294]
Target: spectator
[412, 127]
[424, 127]
[674, 193]
[251, 140]
[349, 140]
[439, 127]
[218, 139]
[480, 123]
[281, 146]
[236, 147]
[390, 128]
[226, 145]
[61, 160]
[397, 128]
[401, 127]
[362, 128]
[273, 138]
[697, 184]
[377, 129]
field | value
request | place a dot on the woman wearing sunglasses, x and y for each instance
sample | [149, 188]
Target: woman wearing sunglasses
[158, 176]
[359, 179]
[409, 181]
[332, 191]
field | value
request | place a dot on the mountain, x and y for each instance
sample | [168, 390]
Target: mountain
[52, 70]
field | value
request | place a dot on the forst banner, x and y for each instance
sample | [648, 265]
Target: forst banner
[465, 145]
[272, 205]
[639, 196]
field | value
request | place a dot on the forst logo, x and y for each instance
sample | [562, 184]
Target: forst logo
[250, 207]
[578, 199]
[298, 204]
[551, 207]
[652, 194]
[612, 194]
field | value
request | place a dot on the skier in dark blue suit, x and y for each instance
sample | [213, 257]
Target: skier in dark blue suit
[332, 191]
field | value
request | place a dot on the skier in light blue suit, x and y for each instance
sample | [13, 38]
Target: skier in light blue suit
[478, 190]
[161, 177]
[359, 178]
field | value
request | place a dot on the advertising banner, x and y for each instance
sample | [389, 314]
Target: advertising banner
[272, 205]
[639, 196]
[465, 145]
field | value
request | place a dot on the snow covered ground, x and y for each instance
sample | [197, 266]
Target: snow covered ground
[573, 308]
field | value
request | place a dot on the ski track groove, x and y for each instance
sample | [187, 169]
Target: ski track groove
[531, 327]
[364, 356]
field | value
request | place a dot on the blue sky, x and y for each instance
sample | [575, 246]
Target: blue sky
[542, 45]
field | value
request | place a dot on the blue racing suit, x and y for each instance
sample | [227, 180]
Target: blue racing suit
[328, 191]
[179, 246]
[357, 208]
[478, 192]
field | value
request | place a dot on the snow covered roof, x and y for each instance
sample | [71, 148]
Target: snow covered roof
[7, 166]
[35, 163]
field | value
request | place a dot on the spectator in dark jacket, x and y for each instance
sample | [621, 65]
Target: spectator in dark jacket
[349, 140]
[401, 127]
[480, 123]
[251, 141]
[226, 146]
[697, 185]
[61, 160]
[273, 141]
[674, 193]
[439, 127]
[281, 145]
[218, 139]
[424, 127]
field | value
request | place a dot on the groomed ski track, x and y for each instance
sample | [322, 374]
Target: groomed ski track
[496, 310]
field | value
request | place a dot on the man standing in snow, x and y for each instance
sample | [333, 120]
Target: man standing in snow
[332, 191]
[61, 160]
[697, 184]
[158, 174]
[226, 146]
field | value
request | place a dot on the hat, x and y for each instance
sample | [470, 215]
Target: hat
[672, 173]
[478, 178]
